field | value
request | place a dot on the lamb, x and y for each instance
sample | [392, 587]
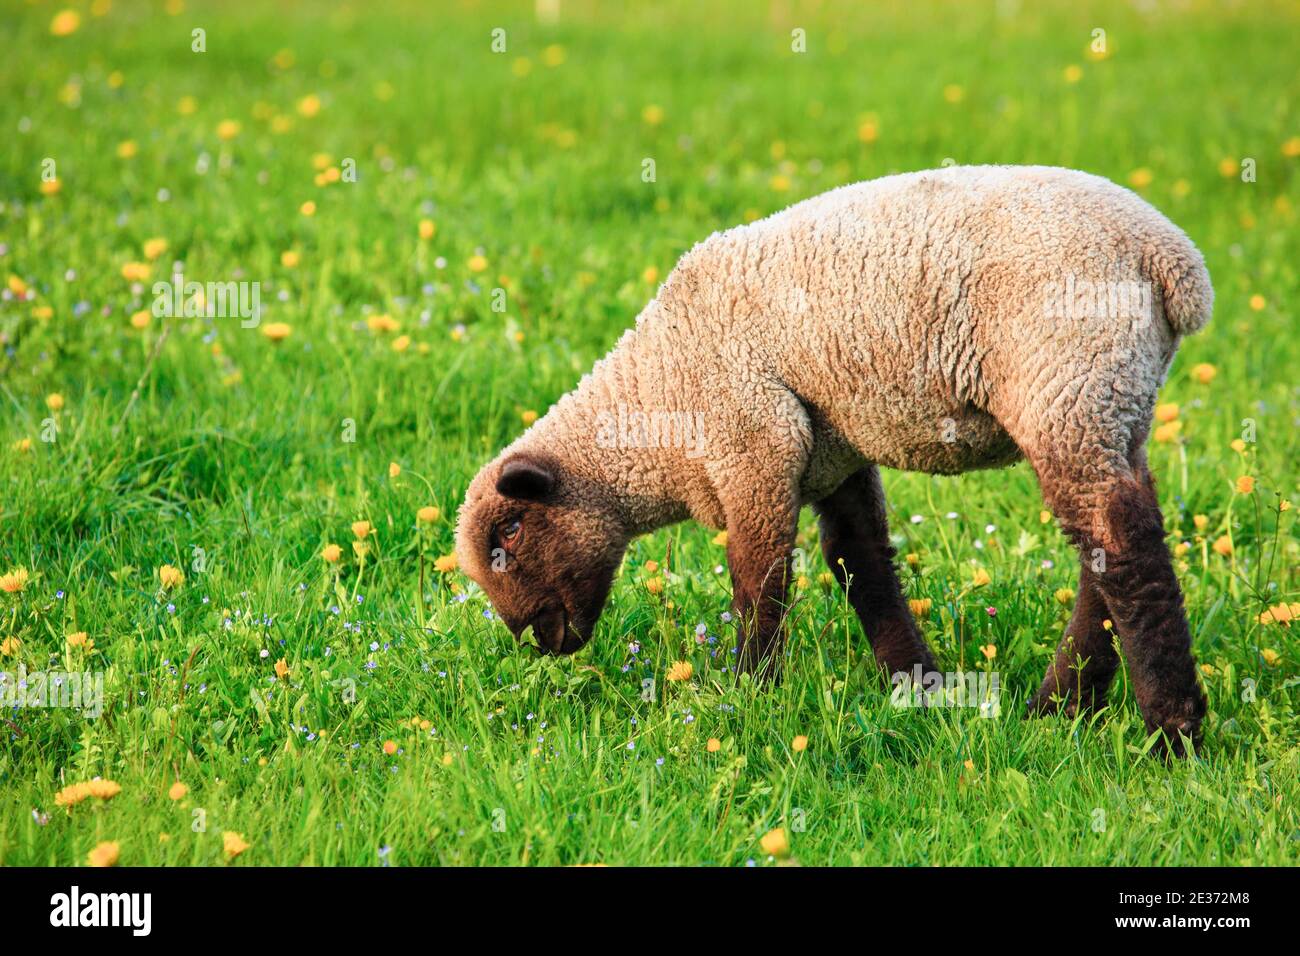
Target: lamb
[937, 321]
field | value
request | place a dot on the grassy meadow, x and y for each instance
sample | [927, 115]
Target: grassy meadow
[170, 487]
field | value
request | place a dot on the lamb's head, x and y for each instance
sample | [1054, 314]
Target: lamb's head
[544, 545]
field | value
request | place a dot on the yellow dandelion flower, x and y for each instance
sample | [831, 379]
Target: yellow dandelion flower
[360, 529]
[401, 343]
[141, 319]
[1064, 596]
[799, 744]
[10, 646]
[13, 581]
[290, 258]
[920, 607]
[953, 93]
[228, 129]
[1238, 446]
[1073, 73]
[528, 416]
[390, 747]
[81, 639]
[714, 745]
[981, 578]
[233, 844]
[1201, 522]
[654, 585]
[1223, 546]
[1168, 432]
[446, 564]
[1140, 178]
[1204, 373]
[136, 272]
[178, 791]
[309, 105]
[54, 402]
[720, 539]
[1228, 167]
[308, 208]
[554, 55]
[652, 115]
[775, 843]
[331, 553]
[1167, 412]
[1245, 484]
[104, 854]
[427, 228]
[1271, 657]
[650, 275]
[171, 576]
[277, 331]
[477, 263]
[428, 514]
[680, 671]
[990, 651]
[65, 23]
[1258, 303]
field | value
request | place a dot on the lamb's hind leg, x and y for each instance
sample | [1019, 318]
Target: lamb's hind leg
[1109, 507]
[855, 541]
[1085, 661]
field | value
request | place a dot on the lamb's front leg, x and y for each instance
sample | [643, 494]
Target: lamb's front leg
[760, 540]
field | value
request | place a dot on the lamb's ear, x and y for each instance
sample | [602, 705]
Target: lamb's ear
[525, 478]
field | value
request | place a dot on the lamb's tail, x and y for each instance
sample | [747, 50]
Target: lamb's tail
[1178, 271]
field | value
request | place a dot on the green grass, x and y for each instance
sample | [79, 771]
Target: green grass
[235, 443]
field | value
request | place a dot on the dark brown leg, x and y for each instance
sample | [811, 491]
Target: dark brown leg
[1146, 603]
[855, 541]
[1086, 660]
[759, 561]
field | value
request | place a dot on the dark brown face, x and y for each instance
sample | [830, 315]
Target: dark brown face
[544, 551]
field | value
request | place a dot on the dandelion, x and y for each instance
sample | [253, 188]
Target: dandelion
[401, 343]
[136, 271]
[1140, 178]
[1181, 549]
[920, 606]
[1258, 303]
[178, 791]
[65, 23]
[394, 469]
[390, 747]
[51, 187]
[277, 331]
[775, 843]
[1201, 522]
[1281, 614]
[80, 639]
[1223, 546]
[360, 548]
[1238, 446]
[654, 585]
[233, 844]
[23, 445]
[153, 248]
[14, 581]
[1245, 485]
[104, 854]
[309, 105]
[1073, 73]
[140, 320]
[10, 646]
[127, 149]
[308, 208]
[652, 114]
[990, 651]
[1168, 432]
[1204, 373]
[477, 263]
[1044, 517]
[680, 671]
[331, 553]
[361, 529]
[868, 128]
[170, 576]
[228, 129]
[1271, 657]
[382, 322]
[428, 514]
[981, 578]
[1228, 167]
[799, 744]
[427, 229]
[1167, 411]
[290, 258]
[554, 55]
[282, 669]
[714, 745]
[446, 564]
[528, 416]
[1064, 596]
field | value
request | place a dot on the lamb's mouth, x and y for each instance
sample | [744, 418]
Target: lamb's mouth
[552, 632]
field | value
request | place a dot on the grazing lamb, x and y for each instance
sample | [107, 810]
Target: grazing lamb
[938, 321]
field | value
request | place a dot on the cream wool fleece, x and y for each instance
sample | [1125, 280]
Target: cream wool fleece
[937, 321]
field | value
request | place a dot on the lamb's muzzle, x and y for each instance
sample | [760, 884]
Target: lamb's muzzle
[940, 322]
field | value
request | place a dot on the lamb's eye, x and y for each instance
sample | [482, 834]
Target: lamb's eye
[509, 533]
